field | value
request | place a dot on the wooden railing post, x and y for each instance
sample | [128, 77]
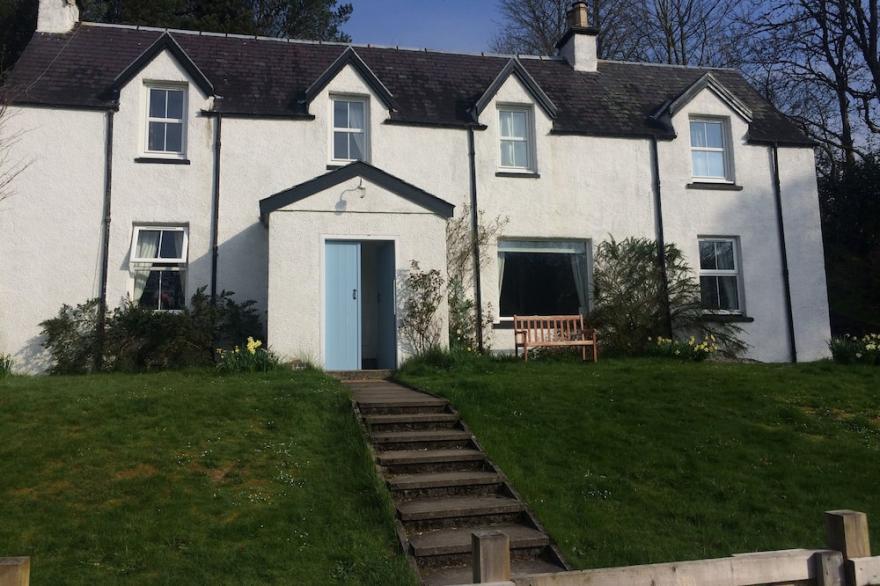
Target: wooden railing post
[491, 556]
[15, 571]
[847, 532]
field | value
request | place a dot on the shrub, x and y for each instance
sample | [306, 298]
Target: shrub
[138, 339]
[849, 349]
[423, 291]
[692, 350]
[460, 271]
[630, 309]
[70, 338]
[5, 365]
[253, 358]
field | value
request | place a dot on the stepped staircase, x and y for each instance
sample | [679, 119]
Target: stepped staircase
[443, 485]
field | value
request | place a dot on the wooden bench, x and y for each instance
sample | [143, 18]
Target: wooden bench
[553, 331]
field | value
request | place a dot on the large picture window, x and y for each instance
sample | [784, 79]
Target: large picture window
[166, 124]
[720, 275]
[158, 266]
[542, 277]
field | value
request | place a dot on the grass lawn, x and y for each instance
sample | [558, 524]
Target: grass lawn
[191, 478]
[642, 461]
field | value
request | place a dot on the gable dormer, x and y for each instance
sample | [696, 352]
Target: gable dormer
[158, 95]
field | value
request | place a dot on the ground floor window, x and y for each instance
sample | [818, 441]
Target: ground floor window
[158, 267]
[720, 275]
[538, 277]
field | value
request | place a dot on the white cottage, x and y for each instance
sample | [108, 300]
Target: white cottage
[308, 175]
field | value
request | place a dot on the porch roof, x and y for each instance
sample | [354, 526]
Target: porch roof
[383, 179]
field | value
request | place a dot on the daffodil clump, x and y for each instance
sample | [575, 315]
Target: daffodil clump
[691, 350]
[5, 365]
[849, 349]
[252, 358]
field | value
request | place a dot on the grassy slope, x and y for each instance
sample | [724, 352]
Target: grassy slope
[645, 461]
[190, 478]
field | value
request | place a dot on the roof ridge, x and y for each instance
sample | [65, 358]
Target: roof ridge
[673, 65]
[330, 43]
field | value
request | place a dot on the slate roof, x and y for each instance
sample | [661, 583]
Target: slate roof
[267, 77]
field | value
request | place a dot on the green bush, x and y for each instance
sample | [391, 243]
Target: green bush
[138, 339]
[252, 358]
[630, 310]
[849, 349]
[5, 365]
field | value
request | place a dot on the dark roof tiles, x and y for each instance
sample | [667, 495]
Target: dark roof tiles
[266, 77]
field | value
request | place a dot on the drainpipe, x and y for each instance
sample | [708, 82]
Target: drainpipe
[100, 328]
[475, 228]
[661, 239]
[215, 218]
[780, 223]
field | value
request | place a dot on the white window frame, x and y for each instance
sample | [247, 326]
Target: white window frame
[365, 100]
[726, 149]
[138, 263]
[736, 272]
[149, 228]
[529, 139]
[145, 142]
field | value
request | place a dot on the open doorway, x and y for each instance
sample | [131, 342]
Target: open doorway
[360, 316]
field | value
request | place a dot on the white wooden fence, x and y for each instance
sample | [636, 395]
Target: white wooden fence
[846, 562]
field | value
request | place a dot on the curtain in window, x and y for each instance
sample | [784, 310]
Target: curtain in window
[501, 259]
[147, 247]
[579, 271]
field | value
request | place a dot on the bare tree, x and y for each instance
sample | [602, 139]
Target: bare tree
[686, 32]
[816, 60]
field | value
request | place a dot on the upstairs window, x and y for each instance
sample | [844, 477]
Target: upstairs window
[710, 149]
[158, 266]
[166, 124]
[720, 277]
[349, 129]
[516, 141]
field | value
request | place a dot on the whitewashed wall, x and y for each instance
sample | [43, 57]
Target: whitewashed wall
[50, 226]
[589, 188]
[156, 192]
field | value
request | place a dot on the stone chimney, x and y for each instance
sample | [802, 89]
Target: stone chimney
[578, 44]
[57, 16]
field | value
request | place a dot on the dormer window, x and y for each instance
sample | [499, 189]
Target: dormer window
[515, 125]
[166, 122]
[350, 129]
[710, 150]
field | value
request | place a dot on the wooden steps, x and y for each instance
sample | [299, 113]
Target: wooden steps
[444, 488]
[458, 540]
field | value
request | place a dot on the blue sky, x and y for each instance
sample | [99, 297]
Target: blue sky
[451, 25]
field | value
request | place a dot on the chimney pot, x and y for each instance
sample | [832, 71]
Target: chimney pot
[578, 15]
[57, 16]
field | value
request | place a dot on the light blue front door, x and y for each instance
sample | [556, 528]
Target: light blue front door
[342, 306]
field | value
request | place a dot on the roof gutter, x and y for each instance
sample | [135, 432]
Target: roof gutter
[780, 223]
[475, 235]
